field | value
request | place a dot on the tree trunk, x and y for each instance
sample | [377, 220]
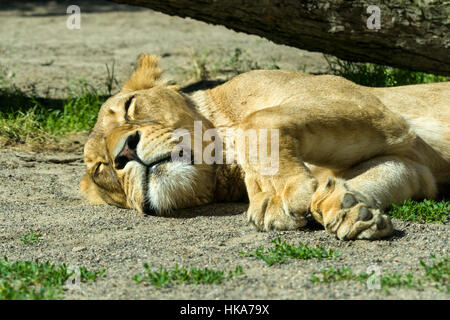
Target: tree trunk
[411, 34]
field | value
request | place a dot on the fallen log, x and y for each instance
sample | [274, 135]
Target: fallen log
[411, 34]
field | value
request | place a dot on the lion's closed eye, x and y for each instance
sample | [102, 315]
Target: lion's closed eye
[97, 168]
[98, 174]
[127, 107]
[104, 177]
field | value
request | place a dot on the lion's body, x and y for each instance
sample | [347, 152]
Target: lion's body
[424, 108]
[346, 151]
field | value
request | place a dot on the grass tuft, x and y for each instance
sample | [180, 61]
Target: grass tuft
[31, 237]
[26, 280]
[333, 274]
[438, 271]
[283, 251]
[436, 274]
[387, 280]
[178, 275]
[24, 118]
[423, 211]
[37, 121]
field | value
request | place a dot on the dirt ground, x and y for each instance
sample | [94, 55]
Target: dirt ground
[40, 190]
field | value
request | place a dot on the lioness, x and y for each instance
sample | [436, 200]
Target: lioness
[346, 152]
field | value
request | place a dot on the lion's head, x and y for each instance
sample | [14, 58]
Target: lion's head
[129, 154]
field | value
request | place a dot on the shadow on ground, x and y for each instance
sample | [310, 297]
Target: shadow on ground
[43, 8]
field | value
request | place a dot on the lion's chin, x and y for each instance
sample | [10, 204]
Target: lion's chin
[176, 185]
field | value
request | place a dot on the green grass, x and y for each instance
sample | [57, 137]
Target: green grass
[25, 118]
[374, 75]
[438, 271]
[423, 211]
[282, 251]
[437, 274]
[334, 274]
[387, 280]
[178, 275]
[31, 237]
[26, 280]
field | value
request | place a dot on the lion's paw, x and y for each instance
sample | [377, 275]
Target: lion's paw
[279, 203]
[359, 222]
[267, 213]
[348, 215]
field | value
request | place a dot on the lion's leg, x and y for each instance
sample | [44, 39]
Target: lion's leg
[352, 206]
[315, 134]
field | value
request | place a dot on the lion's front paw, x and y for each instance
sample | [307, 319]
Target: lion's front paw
[279, 202]
[266, 212]
[347, 214]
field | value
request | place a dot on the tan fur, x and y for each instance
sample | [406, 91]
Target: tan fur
[346, 152]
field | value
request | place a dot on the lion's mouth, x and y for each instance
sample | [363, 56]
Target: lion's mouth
[160, 174]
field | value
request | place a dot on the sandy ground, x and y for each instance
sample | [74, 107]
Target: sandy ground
[40, 191]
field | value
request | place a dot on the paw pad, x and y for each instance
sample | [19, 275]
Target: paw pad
[364, 214]
[348, 201]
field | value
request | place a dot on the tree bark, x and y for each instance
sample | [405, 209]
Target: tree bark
[413, 34]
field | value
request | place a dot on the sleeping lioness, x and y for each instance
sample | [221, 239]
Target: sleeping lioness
[344, 152]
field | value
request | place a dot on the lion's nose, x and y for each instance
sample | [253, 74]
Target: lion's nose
[128, 152]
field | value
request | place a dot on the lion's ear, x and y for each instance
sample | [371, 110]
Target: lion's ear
[90, 191]
[146, 74]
